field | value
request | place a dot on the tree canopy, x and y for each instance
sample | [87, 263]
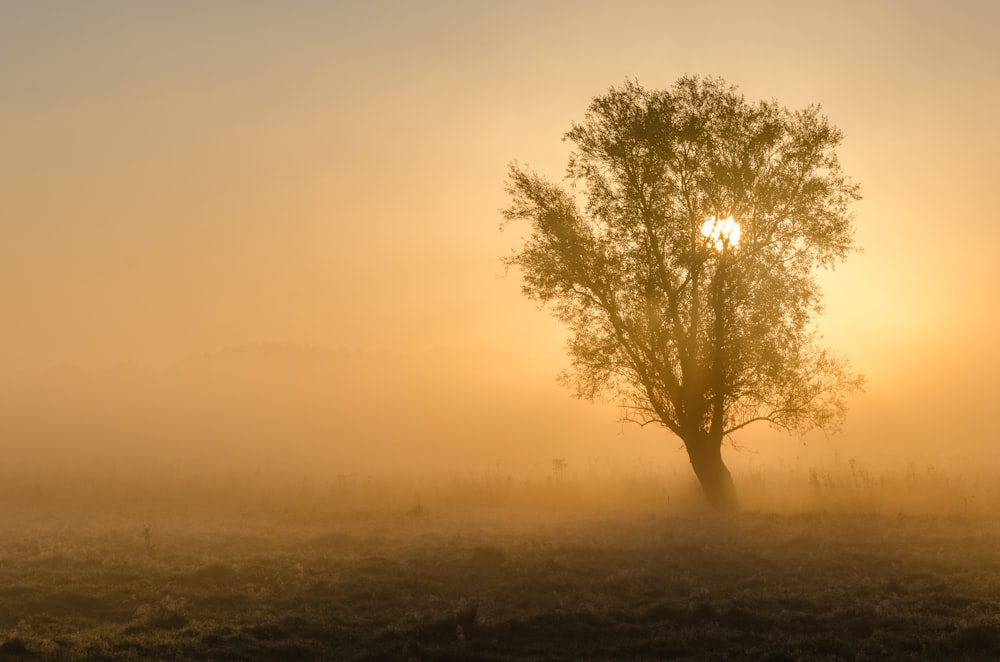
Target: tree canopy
[703, 334]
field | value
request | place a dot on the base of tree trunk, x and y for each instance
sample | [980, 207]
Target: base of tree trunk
[716, 481]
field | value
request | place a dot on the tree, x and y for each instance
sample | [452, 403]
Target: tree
[682, 258]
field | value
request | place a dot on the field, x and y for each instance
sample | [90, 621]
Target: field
[494, 582]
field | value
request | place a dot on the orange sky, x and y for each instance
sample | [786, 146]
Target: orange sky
[179, 179]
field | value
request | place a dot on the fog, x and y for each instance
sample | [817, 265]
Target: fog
[299, 425]
[244, 245]
[283, 409]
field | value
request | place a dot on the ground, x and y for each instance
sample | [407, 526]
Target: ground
[499, 584]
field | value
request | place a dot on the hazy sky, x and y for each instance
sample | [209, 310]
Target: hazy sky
[182, 177]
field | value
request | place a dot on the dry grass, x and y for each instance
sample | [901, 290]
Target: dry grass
[496, 580]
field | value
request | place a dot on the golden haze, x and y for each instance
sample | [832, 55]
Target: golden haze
[260, 238]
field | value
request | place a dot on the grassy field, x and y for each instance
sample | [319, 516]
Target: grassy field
[496, 583]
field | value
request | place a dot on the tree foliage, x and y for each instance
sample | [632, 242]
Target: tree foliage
[700, 340]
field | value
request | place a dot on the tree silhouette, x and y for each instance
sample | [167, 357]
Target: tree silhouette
[682, 258]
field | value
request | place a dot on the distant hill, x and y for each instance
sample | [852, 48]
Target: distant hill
[291, 407]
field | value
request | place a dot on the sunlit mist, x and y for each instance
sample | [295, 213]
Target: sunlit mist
[244, 240]
[268, 389]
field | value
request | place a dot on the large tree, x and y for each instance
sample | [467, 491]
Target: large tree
[682, 256]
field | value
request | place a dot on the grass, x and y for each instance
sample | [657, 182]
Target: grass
[497, 580]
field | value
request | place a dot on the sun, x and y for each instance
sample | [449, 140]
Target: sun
[722, 233]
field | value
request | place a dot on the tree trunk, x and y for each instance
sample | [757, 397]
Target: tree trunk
[716, 481]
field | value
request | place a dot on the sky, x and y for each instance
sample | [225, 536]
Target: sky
[181, 180]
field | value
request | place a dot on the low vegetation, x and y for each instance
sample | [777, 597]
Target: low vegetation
[500, 581]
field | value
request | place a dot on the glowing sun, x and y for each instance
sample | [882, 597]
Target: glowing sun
[722, 233]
